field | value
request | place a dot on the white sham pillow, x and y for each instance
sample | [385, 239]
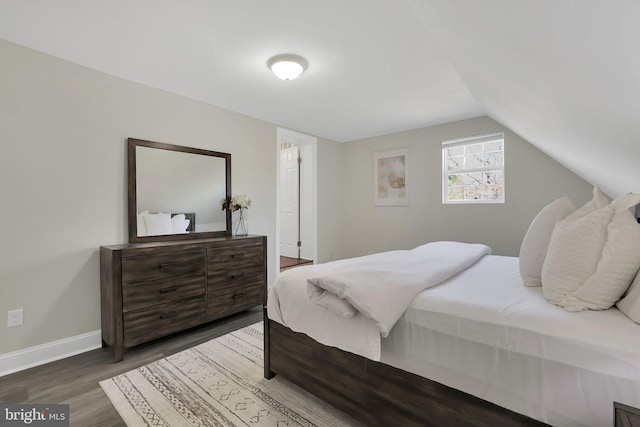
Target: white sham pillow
[179, 224]
[617, 267]
[566, 251]
[158, 224]
[536, 240]
[593, 257]
[140, 224]
[630, 303]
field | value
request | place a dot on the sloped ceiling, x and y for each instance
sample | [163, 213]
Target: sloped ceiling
[563, 74]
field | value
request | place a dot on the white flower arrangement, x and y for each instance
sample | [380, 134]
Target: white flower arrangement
[241, 201]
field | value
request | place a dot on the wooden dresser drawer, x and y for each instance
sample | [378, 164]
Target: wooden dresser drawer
[234, 255]
[235, 276]
[162, 319]
[146, 294]
[145, 268]
[231, 300]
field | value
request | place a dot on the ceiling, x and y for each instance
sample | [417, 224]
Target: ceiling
[563, 74]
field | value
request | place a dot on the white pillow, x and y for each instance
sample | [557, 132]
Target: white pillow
[630, 304]
[617, 267]
[158, 224]
[141, 226]
[179, 223]
[536, 241]
[575, 250]
[593, 256]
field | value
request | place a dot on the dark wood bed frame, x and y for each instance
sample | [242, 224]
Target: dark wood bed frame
[372, 392]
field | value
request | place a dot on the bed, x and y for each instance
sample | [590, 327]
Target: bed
[478, 348]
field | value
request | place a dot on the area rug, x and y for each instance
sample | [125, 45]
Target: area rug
[219, 383]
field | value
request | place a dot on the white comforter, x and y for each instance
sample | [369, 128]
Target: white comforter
[381, 286]
[375, 290]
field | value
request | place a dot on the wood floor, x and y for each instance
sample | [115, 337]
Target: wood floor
[74, 380]
[287, 262]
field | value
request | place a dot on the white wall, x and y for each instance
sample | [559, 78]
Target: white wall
[63, 131]
[532, 180]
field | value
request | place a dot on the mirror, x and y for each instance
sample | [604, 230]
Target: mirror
[175, 192]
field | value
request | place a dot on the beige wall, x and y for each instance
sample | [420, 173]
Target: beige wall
[330, 176]
[532, 180]
[63, 131]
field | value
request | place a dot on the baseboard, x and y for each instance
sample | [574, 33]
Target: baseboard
[49, 352]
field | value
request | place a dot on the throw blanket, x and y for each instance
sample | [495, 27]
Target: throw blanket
[381, 286]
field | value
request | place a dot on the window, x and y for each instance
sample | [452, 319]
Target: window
[473, 169]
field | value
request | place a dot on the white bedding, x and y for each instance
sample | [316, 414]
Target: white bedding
[364, 284]
[289, 305]
[485, 333]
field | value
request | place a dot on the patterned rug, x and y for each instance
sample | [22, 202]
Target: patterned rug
[219, 383]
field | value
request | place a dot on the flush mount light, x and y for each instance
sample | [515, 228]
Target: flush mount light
[287, 66]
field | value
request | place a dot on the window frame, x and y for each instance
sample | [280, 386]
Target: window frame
[463, 142]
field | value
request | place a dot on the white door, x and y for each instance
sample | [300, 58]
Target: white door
[289, 194]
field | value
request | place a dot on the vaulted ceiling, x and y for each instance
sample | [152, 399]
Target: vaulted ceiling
[563, 74]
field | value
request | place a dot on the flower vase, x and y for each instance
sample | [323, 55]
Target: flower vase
[241, 225]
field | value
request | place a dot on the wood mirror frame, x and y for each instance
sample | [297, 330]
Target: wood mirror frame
[132, 144]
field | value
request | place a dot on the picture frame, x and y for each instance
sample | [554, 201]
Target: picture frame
[391, 177]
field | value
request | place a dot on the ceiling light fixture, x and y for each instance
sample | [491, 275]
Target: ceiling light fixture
[287, 66]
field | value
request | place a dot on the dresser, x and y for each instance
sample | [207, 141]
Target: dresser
[149, 290]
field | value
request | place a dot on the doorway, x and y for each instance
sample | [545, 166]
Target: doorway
[296, 199]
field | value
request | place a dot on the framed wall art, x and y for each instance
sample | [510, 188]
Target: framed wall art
[391, 177]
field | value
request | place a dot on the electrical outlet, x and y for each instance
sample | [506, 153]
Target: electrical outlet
[15, 318]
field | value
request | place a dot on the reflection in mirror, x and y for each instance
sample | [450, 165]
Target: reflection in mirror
[174, 182]
[176, 192]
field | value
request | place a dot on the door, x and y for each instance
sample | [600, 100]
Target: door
[296, 200]
[289, 199]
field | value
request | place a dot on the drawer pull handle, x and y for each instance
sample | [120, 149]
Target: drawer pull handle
[167, 290]
[237, 295]
[168, 315]
[167, 265]
[238, 255]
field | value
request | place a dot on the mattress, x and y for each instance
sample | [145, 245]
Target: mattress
[485, 333]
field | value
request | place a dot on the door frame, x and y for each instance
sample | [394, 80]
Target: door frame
[311, 144]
